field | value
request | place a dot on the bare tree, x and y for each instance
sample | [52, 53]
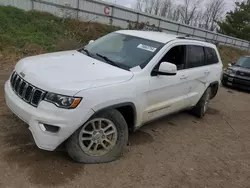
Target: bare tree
[198, 18]
[166, 8]
[188, 10]
[149, 6]
[176, 13]
[139, 5]
[214, 12]
[157, 7]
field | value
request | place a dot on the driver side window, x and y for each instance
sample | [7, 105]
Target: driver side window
[177, 56]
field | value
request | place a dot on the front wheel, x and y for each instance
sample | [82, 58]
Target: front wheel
[100, 140]
[202, 106]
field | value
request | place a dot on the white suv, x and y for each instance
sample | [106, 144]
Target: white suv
[90, 98]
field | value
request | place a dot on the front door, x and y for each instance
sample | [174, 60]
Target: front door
[167, 94]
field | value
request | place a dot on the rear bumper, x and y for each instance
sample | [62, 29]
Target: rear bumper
[68, 121]
[236, 82]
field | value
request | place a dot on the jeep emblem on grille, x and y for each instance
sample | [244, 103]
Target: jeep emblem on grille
[22, 74]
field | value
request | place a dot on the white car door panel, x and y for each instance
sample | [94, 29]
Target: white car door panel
[197, 82]
[166, 94]
[198, 73]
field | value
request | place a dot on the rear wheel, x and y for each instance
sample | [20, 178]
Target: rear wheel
[102, 139]
[202, 106]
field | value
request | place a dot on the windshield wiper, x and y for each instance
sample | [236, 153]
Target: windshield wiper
[86, 51]
[111, 62]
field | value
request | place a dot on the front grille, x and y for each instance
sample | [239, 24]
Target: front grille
[241, 82]
[240, 73]
[26, 91]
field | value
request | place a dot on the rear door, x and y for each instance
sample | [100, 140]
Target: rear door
[198, 73]
[213, 61]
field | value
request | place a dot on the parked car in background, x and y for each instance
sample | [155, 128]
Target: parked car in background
[238, 74]
[90, 98]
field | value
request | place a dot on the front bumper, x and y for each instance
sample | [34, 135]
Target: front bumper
[236, 82]
[67, 120]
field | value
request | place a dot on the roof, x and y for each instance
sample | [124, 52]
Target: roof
[163, 37]
[150, 35]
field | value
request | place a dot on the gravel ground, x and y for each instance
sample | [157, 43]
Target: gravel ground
[179, 151]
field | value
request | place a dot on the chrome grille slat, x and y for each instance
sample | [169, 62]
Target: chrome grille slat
[40, 98]
[21, 88]
[26, 91]
[31, 96]
[14, 81]
[12, 76]
[18, 80]
[18, 87]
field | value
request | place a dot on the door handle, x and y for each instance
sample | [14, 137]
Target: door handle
[183, 77]
[206, 72]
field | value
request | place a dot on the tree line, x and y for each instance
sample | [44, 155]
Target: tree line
[210, 15]
[237, 22]
[191, 12]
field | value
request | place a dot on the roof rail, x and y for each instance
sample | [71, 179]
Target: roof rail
[188, 37]
[183, 36]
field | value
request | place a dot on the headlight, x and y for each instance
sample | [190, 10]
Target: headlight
[63, 101]
[230, 71]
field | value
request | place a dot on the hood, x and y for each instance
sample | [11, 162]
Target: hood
[241, 69]
[69, 72]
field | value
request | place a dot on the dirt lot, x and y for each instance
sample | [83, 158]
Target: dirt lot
[178, 151]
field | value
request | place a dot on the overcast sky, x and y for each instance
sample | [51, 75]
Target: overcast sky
[131, 3]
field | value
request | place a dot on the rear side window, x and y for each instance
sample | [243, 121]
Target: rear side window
[195, 56]
[212, 57]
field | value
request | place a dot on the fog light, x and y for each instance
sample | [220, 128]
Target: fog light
[49, 128]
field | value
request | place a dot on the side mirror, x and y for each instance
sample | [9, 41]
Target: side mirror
[91, 41]
[167, 69]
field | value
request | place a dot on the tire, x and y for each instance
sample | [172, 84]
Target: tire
[78, 149]
[202, 106]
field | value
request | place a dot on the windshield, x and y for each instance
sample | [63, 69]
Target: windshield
[123, 51]
[243, 62]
